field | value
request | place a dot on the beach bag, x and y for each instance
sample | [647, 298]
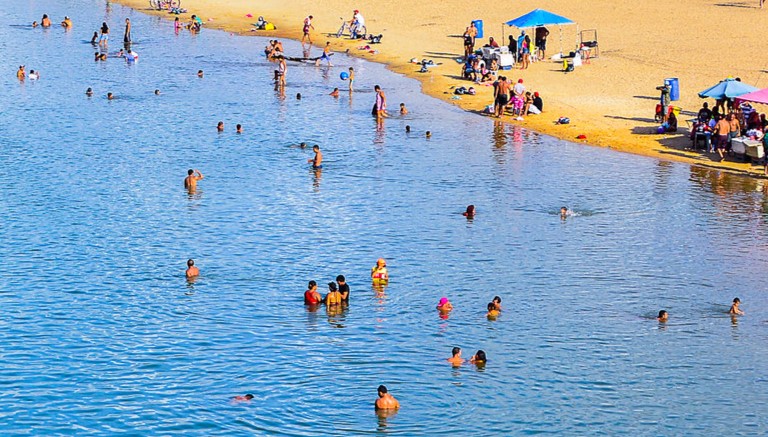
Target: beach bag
[563, 120]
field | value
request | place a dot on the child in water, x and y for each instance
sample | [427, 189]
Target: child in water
[334, 93]
[492, 311]
[735, 307]
[663, 316]
[470, 212]
[444, 305]
[403, 109]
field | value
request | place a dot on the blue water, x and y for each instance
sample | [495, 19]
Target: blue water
[101, 334]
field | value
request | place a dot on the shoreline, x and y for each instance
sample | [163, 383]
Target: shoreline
[583, 105]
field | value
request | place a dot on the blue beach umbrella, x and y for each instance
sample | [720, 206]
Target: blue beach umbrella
[727, 89]
[536, 18]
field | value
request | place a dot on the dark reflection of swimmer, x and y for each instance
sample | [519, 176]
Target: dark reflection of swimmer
[456, 359]
[735, 307]
[492, 311]
[470, 212]
[317, 161]
[663, 316]
[245, 398]
[478, 358]
[190, 182]
[192, 271]
[200, 73]
[386, 401]
[157, 92]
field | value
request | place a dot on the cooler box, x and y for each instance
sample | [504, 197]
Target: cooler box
[674, 88]
[506, 60]
[479, 26]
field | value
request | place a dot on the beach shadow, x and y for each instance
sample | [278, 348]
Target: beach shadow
[640, 119]
[646, 97]
[455, 36]
[452, 55]
[737, 5]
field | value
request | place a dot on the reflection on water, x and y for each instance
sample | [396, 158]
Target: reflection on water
[96, 318]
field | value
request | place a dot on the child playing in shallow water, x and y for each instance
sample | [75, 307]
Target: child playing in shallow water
[735, 307]
[492, 311]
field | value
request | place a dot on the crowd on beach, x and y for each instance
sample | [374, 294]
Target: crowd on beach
[507, 97]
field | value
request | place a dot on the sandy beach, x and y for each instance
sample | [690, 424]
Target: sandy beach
[610, 100]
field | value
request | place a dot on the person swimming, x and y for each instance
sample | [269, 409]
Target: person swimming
[190, 182]
[492, 311]
[478, 358]
[456, 359]
[403, 109]
[343, 288]
[470, 212]
[735, 307]
[429, 134]
[386, 401]
[110, 96]
[334, 93]
[379, 272]
[192, 271]
[220, 126]
[89, 92]
[239, 128]
[563, 212]
[311, 296]
[444, 305]
[663, 316]
[317, 160]
[496, 302]
[157, 92]
[333, 297]
[245, 398]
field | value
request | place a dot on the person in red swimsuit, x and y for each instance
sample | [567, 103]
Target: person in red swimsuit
[311, 296]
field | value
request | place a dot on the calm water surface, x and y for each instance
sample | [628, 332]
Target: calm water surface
[101, 334]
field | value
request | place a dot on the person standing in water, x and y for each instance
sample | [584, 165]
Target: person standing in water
[127, 36]
[456, 359]
[190, 182]
[104, 34]
[351, 78]
[380, 107]
[735, 307]
[317, 161]
[192, 271]
[379, 272]
[343, 288]
[326, 55]
[663, 316]
[282, 70]
[386, 401]
[21, 74]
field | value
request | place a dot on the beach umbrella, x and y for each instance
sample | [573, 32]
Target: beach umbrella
[727, 89]
[537, 18]
[759, 96]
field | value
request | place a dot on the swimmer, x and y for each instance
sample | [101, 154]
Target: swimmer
[157, 92]
[563, 212]
[220, 126]
[192, 271]
[496, 302]
[386, 401]
[34, 24]
[311, 296]
[45, 21]
[99, 56]
[470, 212]
[403, 109]
[351, 77]
[190, 182]
[492, 311]
[67, 23]
[380, 103]
[429, 134]
[298, 96]
[478, 358]
[343, 288]
[120, 54]
[245, 398]
[334, 93]
[200, 73]
[379, 272]
[34, 75]
[110, 96]
[317, 161]
[21, 74]
[95, 38]
[239, 128]
[302, 145]
[89, 92]
[127, 35]
[735, 307]
[407, 128]
[456, 359]
[333, 297]
[444, 305]
[663, 316]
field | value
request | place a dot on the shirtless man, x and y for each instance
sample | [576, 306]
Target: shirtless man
[456, 359]
[735, 307]
[317, 161]
[663, 316]
[190, 182]
[326, 55]
[501, 95]
[192, 271]
[21, 74]
[386, 401]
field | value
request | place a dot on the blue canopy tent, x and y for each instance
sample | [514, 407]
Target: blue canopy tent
[727, 89]
[537, 18]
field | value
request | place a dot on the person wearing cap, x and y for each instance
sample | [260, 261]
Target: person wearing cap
[537, 102]
[67, 23]
[444, 305]
[333, 297]
[386, 401]
[379, 272]
[663, 316]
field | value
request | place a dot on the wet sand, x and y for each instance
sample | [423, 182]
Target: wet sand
[610, 100]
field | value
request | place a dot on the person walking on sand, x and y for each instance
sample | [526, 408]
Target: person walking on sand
[307, 26]
[190, 182]
[380, 106]
[386, 401]
[104, 34]
[326, 55]
[127, 36]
